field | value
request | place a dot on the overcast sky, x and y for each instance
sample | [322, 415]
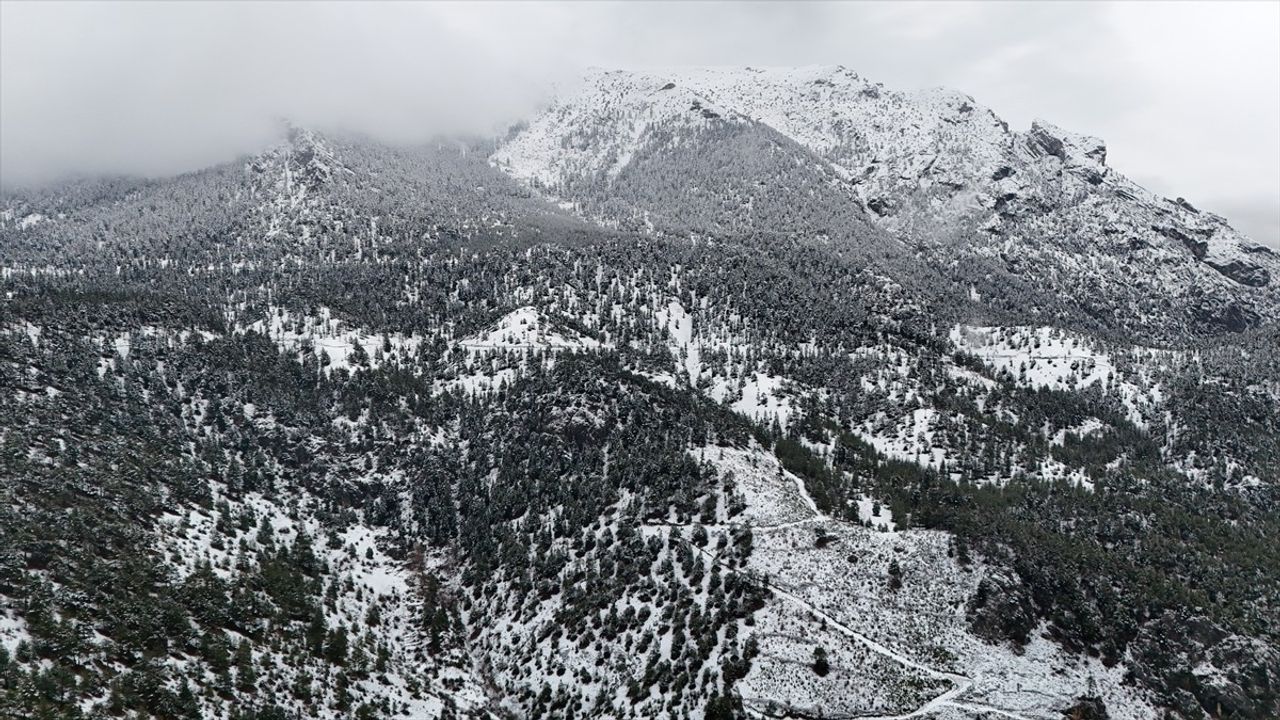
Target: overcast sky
[1186, 95]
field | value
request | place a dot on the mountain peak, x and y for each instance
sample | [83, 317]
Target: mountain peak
[303, 160]
[1048, 138]
[931, 167]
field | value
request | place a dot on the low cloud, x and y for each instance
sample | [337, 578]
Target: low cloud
[1187, 95]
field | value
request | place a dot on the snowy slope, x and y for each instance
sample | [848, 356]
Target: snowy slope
[932, 167]
[526, 329]
[908, 651]
[1050, 358]
[371, 583]
[333, 341]
[601, 129]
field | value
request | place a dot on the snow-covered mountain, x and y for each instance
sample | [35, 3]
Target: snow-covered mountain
[708, 394]
[933, 168]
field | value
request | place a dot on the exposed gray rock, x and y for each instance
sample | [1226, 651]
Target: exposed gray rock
[1232, 316]
[1207, 672]
[1087, 708]
[1243, 272]
[1047, 139]
[1043, 142]
[880, 206]
[1000, 611]
[1198, 246]
[936, 169]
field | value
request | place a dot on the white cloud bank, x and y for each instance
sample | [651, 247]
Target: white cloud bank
[1187, 95]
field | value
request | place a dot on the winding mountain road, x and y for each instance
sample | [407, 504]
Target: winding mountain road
[960, 684]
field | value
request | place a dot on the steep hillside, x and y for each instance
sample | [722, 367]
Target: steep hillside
[649, 412]
[1028, 218]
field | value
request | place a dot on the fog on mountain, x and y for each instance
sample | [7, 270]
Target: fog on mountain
[703, 392]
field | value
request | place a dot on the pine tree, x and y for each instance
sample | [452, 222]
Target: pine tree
[246, 674]
[335, 648]
[820, 665]
[317, 632]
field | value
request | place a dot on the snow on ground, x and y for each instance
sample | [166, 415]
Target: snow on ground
[487, 365]
[972, 378]
[679, 325]
[892, 652]
[760, 397]
[1046, 357]
[1036, 683]
[1084, 429]
[479, 382]
[121, 344]
[843, 119]
[354, 557]
[860, 681]
[25, 328]
[117, 347]
[526, 329]
[909, 437]
[849, 120]
[525, 332]
[1036, 357]
[624, 109]
[31, 220]
[520, 635]
[332, 338]
[13, 629]
[771, 492]
[1051, 469]
[879, 516]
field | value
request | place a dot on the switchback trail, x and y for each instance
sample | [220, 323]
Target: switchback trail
[960, 684]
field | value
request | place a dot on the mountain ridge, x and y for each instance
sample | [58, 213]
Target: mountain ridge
[933, 168]
[689, 428]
